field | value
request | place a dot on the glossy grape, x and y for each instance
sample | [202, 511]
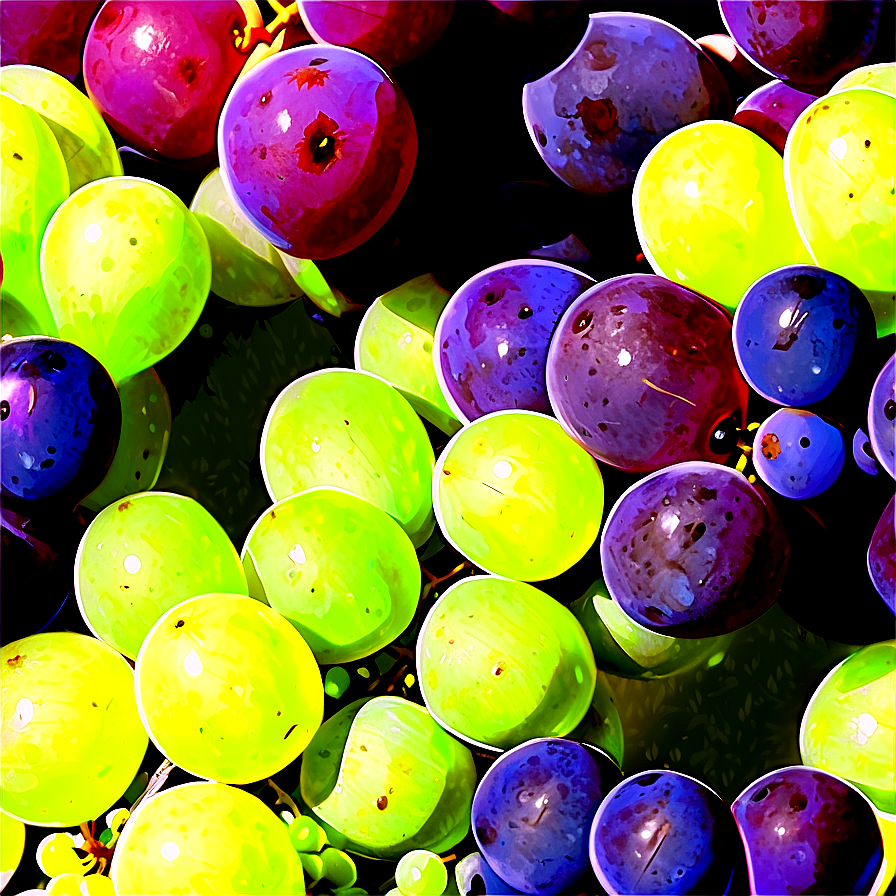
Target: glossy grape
[771, 110]
[882, 556]
[204, 837]
[500, 662]
[72, 737]
[693, 551]
[493, 336]
[421, 871]
[641, 373]
[228, 689]
[474, 875]
[881, 76]
[533, 809]
[60, 416]
[882, 417]
[338, 144]
[806, 831]
[632, 80]
[145, 554]
[12, 846]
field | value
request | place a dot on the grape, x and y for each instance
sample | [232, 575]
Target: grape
[641, 374]
[316, 286]
[86, 144]
[145, 430]
[493, 336]
[501, 662]
[771, 110]
[862, 453]
[848, 726]
[663, 832]
[12, 845]
[204, 837]
[127, 271]
[532, 812]
[395, 341]
[312, 865]
[694, 551]
[56, 855]
[392, 33]
[347, 429]
[807, 831]
[882, 556]
[516, 496]
[60, 416]
[96, 885]
[473, 875]
[160, 74]
[64, 885]
[882, 417]
[72, 738]
[881, 77]
[711, 210]
[306, 835]
[338, 143]
[227, 688]
[338, 868]
[382, 777]
[838, 163]
[808, 44]
[144, 555]
[421, 871]
[632, 80]
[797, 331]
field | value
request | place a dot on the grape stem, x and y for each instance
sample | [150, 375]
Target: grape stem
[284, 798]
[156, 783]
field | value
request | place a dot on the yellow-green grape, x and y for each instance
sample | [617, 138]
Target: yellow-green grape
[12, 846]
[33, 184]
[517, 496]
[338, 867]
[96, 885]
[421, 872]
[228, 689]
[849, 727]
[145, 554]
[382, 777]
[839, 161]
[205, 838]
[881, 77]
[126, 269]
[64, 885]
[501, 662]
[711, 210]
[306, 835]
[393, 892]
[313, 865]
[56, 855]
[887, 825]
[145, 431]
[72, 739]
[314, 284]
[87, 146]
[602, 726]
[395, 340]
[341, 570]
[347, 429]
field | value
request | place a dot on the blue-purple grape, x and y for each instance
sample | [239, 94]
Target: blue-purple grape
[882, 556]
[882, 417]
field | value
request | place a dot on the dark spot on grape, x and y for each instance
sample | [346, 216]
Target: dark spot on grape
[542, 137]
[867, 144]
[599, 118]
[583, 322]
[278, 712]
[123, 506]
[4, 409]
[521, 352]
[498, 671]
[486, 833]
[382, 802]
[93, 704]
[137, 475]
[51, 449]
[525, 312]
[179, 623]
[798, 802]
[806, 286]
[760, 795]
[15, 480]
[145, 453]
[804, 442]
[890, 410]
[46, 464]
[133, 241]
[293, 728]
[770, 446]
[188, 67]
[838, 323]
[265, 98]
[729, 516]
[852, 195]
[17, 157]
[319, 60]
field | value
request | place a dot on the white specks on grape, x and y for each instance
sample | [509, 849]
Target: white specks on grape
[132, 564]
[786, 318]
[624, 358]
[26, 459]
[502, 469]
[192, 663]
[315, 446]
[670, 522]
[691, 189]
[297, 555]
[24, 713]
[502, 348]
[867, 725]
[170, 851]
[837, 148]
[284, 119]
[816, 369]
[92, 233]
[408, 338]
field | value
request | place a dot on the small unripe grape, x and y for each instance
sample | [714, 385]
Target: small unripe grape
[421, 871]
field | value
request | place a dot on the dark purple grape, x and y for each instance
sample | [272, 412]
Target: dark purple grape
[61, 420]
[665, 833]
[694, 551]
[796, 332]
[863, 453]
[475, 878]
[808, 832]
[882, 556]
[771, 111]
[632, 80]
[882, 417]
[533, 809]
[807, 43]
[641, 373]
[493, 336]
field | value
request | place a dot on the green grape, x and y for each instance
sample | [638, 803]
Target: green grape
[395, 340]
[888, 830]
[341, 570]
[306, 835]
[65, 885]
[204, 837]
[56, 855]
[86, 144]
[339, 868]
[142, 556]
[880, 77]
[33, 184]
[501, 662]
[382, 777]
[602, 726]
[12, 846]
[228, 689]
[517, 496]
[336, 682]
[350, 430]
[126, 268]
[838, 162]
[711, 210]
[72, 740]
[97, 885]
[848, 727]
[313, 865]
[394, 892]
[314, 284]
[145, 430]
[419, 872]
[17, 320]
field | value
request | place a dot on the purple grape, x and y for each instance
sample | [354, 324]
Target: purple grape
[632, 80]
[882, 556]
[665, 833]
[494, 333]
[863, 454]
[641, 373]
[771, 111]
[796, 332]
[61, 420]
[694, 551]
[533, 808]
[808, 832]
[882, 417]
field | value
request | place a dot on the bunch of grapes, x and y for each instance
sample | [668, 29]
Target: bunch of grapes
[396, 503]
